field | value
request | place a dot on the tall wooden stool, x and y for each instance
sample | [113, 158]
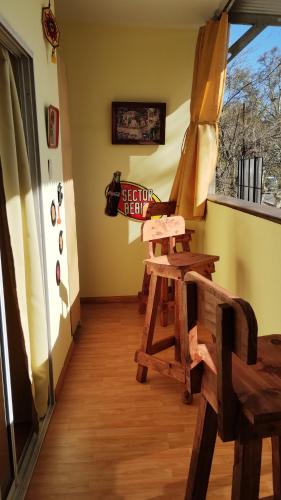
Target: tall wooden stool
[163, 208]
[173, 266]
[240, 387]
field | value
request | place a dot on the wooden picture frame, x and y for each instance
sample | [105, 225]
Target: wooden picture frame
[138, 123]
[52, 127]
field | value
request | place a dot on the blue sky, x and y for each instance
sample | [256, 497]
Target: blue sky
[270, 37]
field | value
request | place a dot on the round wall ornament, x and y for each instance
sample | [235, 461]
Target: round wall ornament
[61, 242]
[53, 213]
[58, 275]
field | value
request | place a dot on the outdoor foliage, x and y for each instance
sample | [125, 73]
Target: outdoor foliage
[250, 124]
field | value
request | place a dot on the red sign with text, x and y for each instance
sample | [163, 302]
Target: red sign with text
[133, 198]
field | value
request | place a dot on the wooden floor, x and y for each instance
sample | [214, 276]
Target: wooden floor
[113, 438]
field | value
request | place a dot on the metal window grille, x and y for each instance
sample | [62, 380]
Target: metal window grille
[250, 179]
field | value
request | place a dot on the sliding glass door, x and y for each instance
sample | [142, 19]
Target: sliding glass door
[26, 382]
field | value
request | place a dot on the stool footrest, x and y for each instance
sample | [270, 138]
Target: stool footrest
[162, 344]
[171, 369]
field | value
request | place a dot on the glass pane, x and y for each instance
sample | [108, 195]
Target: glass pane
[251, 194]
[246, 172]
[252, 171]
[6, 470]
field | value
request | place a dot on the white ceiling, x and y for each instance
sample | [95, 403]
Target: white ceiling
[158, 13]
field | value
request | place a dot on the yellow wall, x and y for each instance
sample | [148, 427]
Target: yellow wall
[249, 248]
[25, 20]
[106, 64]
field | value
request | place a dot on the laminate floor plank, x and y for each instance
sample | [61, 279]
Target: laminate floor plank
[111, 438]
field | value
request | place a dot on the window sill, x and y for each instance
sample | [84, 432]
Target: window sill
[270, 213]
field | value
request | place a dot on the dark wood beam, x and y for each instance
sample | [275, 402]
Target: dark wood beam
[256, 19]
[244, 40]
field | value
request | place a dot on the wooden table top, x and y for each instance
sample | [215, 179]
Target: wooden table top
[260, 392]
[258, 387]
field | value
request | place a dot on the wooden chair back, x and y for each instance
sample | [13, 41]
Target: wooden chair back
[232, 322]
[203, 298]
[154, 208]
[166, 227]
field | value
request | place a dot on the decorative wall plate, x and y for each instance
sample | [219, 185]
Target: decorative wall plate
[58, 272]
[61, 242]
[53, 213]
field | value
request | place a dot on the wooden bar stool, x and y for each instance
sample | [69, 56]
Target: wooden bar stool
[173, 266]
[240, 387]
[163, 208]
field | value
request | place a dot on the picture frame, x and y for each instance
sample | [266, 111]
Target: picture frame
[138, 123]
[52, 126]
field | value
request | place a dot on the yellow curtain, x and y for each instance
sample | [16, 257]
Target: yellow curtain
[200, 147]
[23, 234]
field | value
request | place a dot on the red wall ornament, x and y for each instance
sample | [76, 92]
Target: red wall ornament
[53, 126]
[51, 29]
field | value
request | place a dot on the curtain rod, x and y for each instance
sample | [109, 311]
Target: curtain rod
[226, 8]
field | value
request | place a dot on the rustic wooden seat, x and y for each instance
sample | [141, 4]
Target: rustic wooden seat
[163, 208]
[240, 378]
[173, 266]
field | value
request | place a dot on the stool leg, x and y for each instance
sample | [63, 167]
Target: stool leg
[177, 325]
[202, 452]
[276, 465]
[144, 292]
[164, 310]
[149, 322]
[246, 469]
[181, 336]
[164, 288]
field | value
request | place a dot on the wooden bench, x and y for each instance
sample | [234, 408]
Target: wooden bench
[239, 377]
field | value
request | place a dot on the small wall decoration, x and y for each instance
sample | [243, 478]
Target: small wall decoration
[51, 29]
[138, 123]
[53, 127]
[112, 193]
[58, 272]
[60, 193]
[58, 218]
[61, 242]
[60, 198]
[53, 213]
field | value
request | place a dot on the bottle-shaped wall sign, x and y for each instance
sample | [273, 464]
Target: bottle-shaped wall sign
[113, 193]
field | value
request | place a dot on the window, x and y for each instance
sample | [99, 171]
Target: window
[249, 160]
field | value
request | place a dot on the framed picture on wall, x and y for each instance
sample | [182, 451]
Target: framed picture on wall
[52, 127]
[138, 122]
